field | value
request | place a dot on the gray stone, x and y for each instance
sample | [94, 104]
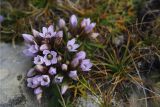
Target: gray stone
[89, 101]
[13, 68]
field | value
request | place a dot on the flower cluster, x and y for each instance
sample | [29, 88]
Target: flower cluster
[56, 54]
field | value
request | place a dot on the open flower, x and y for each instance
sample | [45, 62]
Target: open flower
[58, 79]
[48, 32]
[45, 80]
[50, 57]
[73, 75]
[33, 82]
[86, 65]
[38, 60]
[71, 46]
[52, 71]
[73, 21]
[79, 56]
[88, 26]
[85, 22]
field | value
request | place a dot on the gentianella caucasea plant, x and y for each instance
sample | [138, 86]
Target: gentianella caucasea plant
[57, 55]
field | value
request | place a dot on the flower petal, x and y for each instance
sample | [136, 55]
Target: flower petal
[71, 42]
[45, 52]
[44, 47]
[35, 33]
[59, 34]
[50, 29]
[28, 37]
[44, 30]
[54, 60]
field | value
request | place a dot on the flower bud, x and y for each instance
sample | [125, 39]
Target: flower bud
[61, 23]
[39, 96]
[59, 58]
[73, 21]
[28, 37]
[31, 72]
[67, 62]
[38, 90]
[52, 71]
[75, 62]
[64, 88]
[64, 67]
[40, 68]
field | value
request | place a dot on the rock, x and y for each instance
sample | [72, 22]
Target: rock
[13, 68]
[89, 101]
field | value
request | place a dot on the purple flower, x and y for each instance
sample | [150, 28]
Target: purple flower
[59, 34]
[58, 79]
[44, 47]
[31, 72]
[50, 57]
[38, 90]
[31, 50]
[45, 80]
[28, 37]
[33, 82]
[48, 33]
[61, 23]
[52, 71]
[86, 23]
[73, 75]
[73, 21]
[38, 60]
[71, 46]
[86, 65]
[81, 55]
[64, 88]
